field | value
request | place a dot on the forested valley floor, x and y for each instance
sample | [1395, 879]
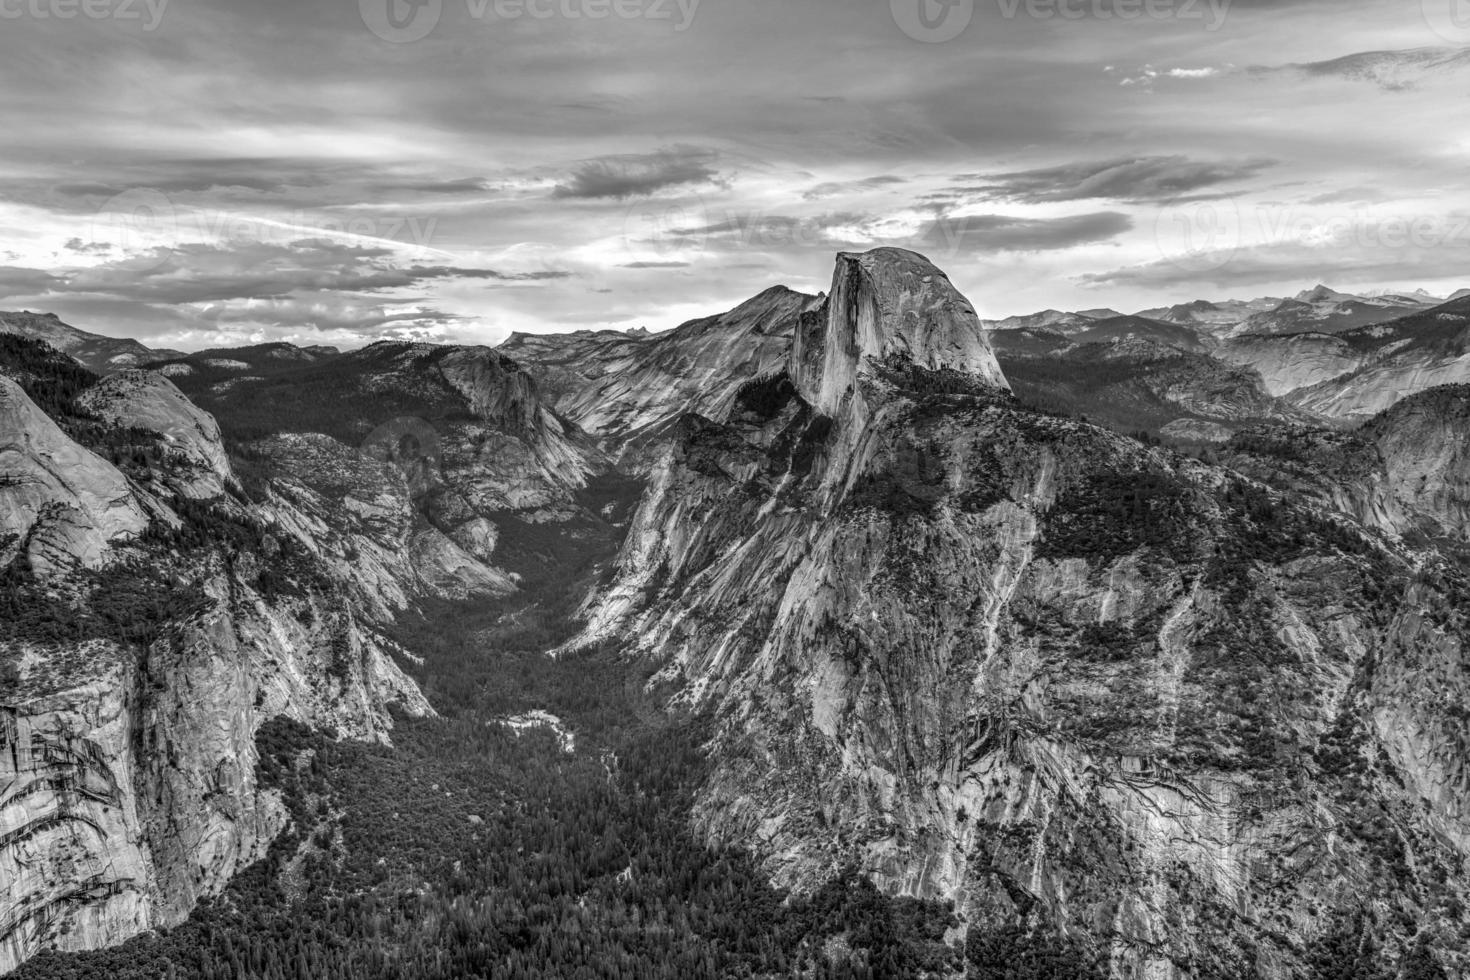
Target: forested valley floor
[473, 848]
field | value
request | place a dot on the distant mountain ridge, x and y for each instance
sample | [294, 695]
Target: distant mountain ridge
[1323, 354]
[1320, 309]
[94, 351]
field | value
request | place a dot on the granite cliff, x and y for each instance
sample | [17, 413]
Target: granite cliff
[158, 611]
[1109, 701]
[626, 390]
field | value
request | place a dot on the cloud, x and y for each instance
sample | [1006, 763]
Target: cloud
[87, 248]
[517, 147]
[1148, 74]
[1155, 178]
[464, 185]
[639, 175]
[201, 273]
[1369, 253]
[774, 230]
[21, 281]
[1349, 195]
[834, 188]
[1391, 71]
[309, 285]
[991, 233]
[942, 235]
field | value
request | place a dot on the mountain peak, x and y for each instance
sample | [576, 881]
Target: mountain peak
[1321, 293]
[893, 303]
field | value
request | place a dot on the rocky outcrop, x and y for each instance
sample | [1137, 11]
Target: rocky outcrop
[1378, 386]
[892, 305]
[148, 635]
[456, 442]
[357, 513]
[627, 390]
[149, 401]
[1424, 442]
[130, 788]
[60, 505]
[1356, 374]
[1406, 471]
[1289, 363]
[1097, 695]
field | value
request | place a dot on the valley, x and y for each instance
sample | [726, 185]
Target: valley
[887, 643]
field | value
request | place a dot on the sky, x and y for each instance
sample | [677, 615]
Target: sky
[207, 173]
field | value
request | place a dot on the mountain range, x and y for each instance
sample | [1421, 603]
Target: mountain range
[836, 635]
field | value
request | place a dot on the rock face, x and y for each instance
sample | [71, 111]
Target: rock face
[60, 505]
[626, 390]
[1424, 442]
[1323, 355]
[130, 782]
[1290, 363]
[1102, 697]
[887, 305]
[358, 513]
[149, 401]
[456, 443]
[127, 754]
[1356, 374]
[1406, 471]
